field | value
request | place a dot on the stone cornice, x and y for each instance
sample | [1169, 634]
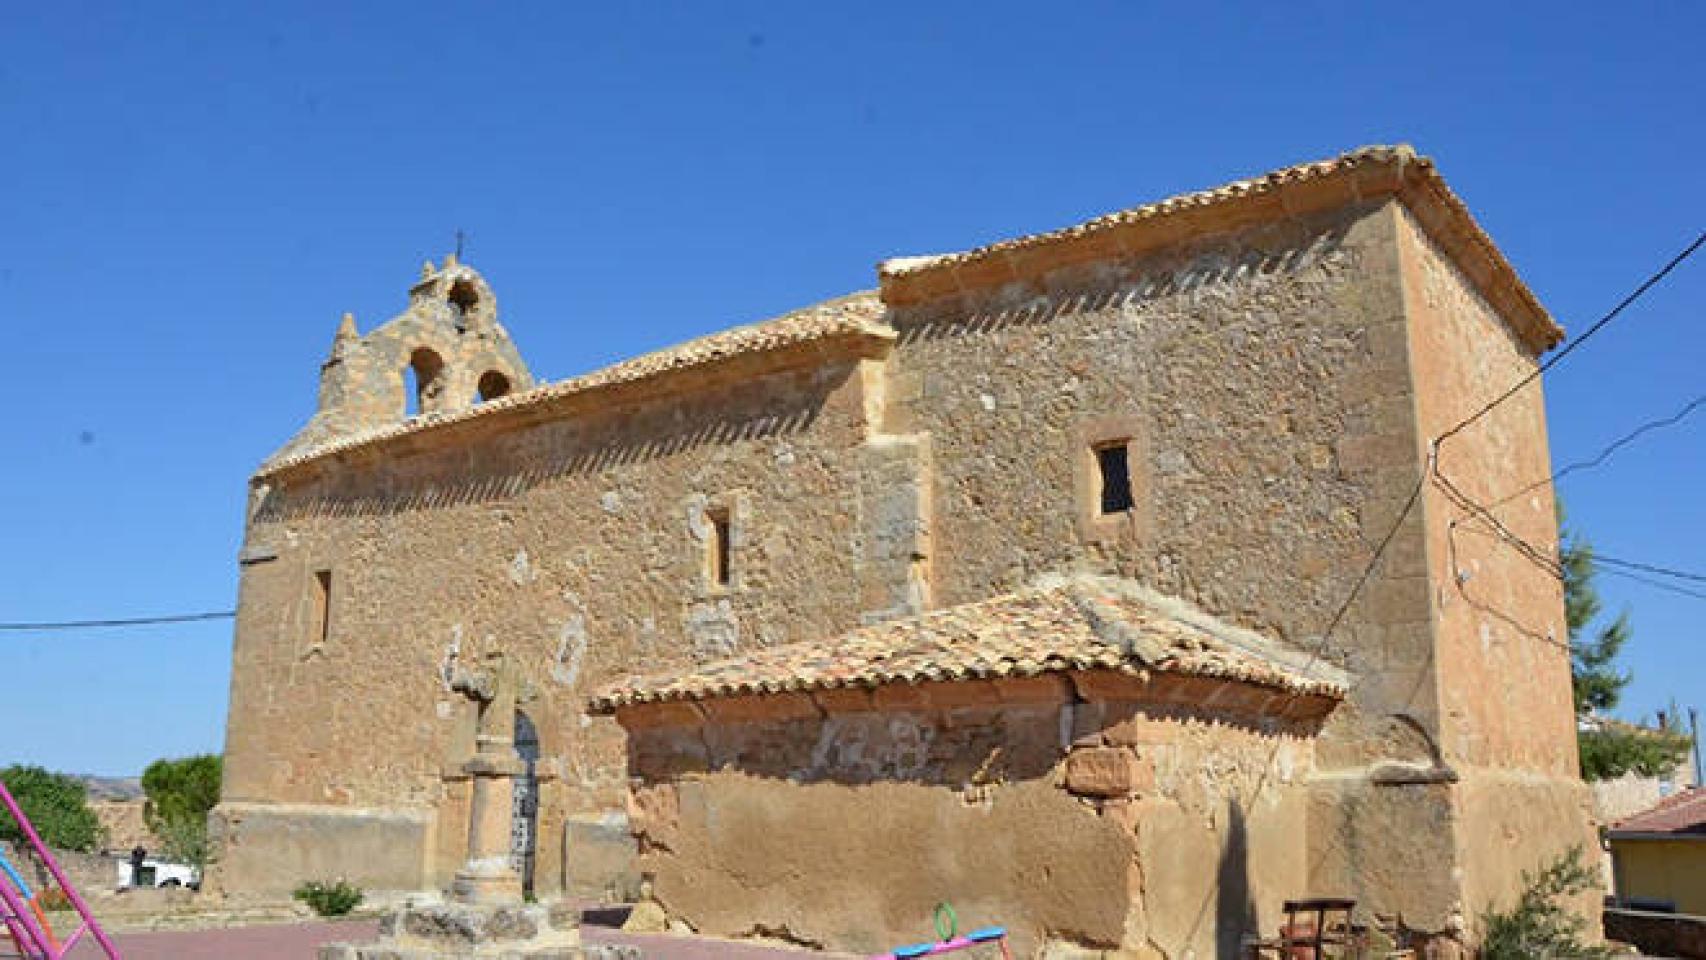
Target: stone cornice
[1371, 173]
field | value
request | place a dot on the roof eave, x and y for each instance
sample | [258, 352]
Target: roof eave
[1371, 173]
[859, 340]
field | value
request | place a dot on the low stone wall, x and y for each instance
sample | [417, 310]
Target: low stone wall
[265, 851]
[1138, 821]
[90, 873]
[1658, 934]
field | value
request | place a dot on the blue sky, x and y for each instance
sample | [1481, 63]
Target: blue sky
[192, 196]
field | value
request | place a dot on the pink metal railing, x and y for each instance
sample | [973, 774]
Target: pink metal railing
[31, 934]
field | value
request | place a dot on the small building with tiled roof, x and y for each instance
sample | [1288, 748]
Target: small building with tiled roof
[1045, 565]
[1658, 856]
[1033, 755]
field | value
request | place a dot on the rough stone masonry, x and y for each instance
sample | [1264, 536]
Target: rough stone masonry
[1225, 399]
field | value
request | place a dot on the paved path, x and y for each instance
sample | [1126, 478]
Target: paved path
[298, 941]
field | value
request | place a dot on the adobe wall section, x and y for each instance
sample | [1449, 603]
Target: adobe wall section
[839, 819]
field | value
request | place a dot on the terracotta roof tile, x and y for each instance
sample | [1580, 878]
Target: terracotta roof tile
[1680, 813]
[1077, 624]
[857, 315]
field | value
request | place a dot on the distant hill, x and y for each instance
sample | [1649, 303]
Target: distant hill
[112, 788]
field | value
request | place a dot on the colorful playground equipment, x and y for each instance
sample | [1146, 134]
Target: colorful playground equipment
[21, 911]
[948, 939]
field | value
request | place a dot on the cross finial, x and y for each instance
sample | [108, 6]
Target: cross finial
[459, 238]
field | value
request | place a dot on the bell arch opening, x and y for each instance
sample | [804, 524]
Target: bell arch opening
[423, 382]
[464, 296]
[493, 385]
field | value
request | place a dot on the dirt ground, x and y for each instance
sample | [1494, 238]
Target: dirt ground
[298, 941]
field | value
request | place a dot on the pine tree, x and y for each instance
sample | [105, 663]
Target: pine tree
[1609, 750]
[1597, 681]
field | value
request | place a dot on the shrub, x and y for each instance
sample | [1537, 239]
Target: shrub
[53, 898]
[329, 899]
[56, 804]
[1539, 925]
[1611, 752]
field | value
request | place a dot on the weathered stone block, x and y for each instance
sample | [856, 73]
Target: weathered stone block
[598, 857]
[1107, 772]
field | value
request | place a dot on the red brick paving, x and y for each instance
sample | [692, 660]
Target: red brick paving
[298, 941]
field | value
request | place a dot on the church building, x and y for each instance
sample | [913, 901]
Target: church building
[1036, 580]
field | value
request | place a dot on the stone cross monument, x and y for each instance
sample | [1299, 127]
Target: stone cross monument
[497, 687]
[484, 917]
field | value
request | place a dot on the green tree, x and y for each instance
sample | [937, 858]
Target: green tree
[57, 805]
[1597, 682]
[180, 794]
[1615, 749]
[1608, 750]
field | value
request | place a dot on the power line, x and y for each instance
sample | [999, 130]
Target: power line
[1607, 565]
[124, 622]
[1603, 455]
[1649, 568]
[1433, 452]
[1659, 584]
[1573, 344]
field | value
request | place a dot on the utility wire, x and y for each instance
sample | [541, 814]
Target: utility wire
[125, 622]
[1554, 360]
[1660, 584]
[1650, 568]
[1607, 565]
[1433, 448]
[1603, 455]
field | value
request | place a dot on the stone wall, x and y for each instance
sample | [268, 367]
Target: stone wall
[268, 850]
[1507, 722]
[1632, 793]
[576, 544]
[1264, 377]
[839, 819]
[1658, 934]
[90, 873]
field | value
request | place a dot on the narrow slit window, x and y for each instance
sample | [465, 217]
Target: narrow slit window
[322, 605]
[1115, 470]
[719, 556]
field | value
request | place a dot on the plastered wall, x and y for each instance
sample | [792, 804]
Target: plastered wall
[840, 820]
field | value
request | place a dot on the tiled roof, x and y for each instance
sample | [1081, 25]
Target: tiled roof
[858, 314]
[1680, 813]
[1366, 173]
[1085, 623]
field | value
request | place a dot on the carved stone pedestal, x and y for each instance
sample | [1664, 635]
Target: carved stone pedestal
[488, 877]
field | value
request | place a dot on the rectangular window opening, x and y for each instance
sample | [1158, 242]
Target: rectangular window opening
[719, 555]
[1115, 473]
[322, 605]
